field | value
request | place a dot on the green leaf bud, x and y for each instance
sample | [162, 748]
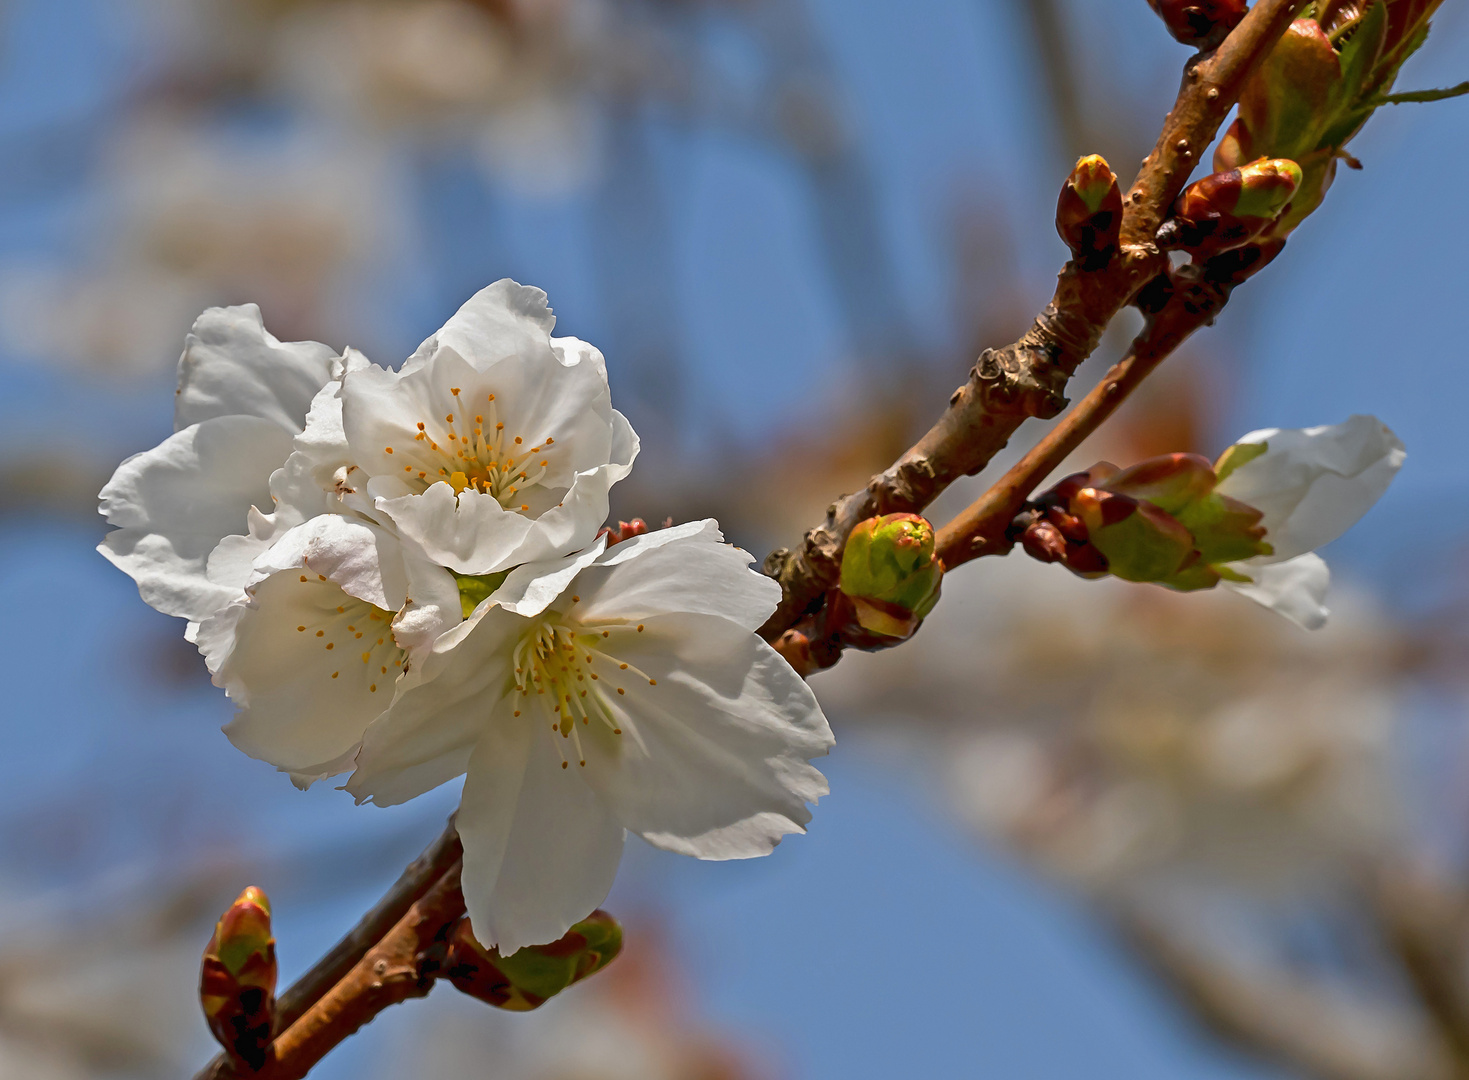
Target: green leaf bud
[1140, 541]
[890, 560]
[529, 977]
[1170, 482]
[1229, 209]
[1286, 103]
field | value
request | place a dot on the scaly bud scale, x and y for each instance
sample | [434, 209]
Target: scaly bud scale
[237, 980]
[1089, 212]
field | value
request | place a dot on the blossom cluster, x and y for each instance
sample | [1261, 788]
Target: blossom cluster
[397, 574]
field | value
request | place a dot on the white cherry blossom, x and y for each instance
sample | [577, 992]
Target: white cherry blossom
[638, 698]
[1312, 484]
[495, 444]
[328, 627]
[242, 396]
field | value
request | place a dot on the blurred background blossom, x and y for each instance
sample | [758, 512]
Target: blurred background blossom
[1075, 826]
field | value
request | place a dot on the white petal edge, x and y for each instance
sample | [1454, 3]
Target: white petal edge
[175, 503]
[686, 568]
[425, 739]
[232, 365]
[1295, 588]
[1315, 483]
[713, 761]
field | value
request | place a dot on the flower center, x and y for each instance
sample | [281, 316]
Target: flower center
[571, 676]
[473, 451]
[358, 635]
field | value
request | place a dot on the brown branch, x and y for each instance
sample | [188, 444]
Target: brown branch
[1028, 378]
[1286, 1017]
[400, 966]
[415, 881]
[1194, 296]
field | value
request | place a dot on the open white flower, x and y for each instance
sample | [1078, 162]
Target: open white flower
[639, 698]
[495, 444]
[242, 396]
[333, 619]
[1312, 484]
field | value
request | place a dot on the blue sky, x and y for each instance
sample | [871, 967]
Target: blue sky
[885, 943]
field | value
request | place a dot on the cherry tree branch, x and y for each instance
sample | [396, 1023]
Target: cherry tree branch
[392, 954]
[402, 965]
[420, 876]
[1194, 298]
[1028, 378]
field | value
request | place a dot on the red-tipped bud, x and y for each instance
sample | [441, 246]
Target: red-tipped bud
[529, 977]
[625, 530]
[1089, 212]
[1200, 23]
[237, 980]
[1228, 209]
[1160, 521]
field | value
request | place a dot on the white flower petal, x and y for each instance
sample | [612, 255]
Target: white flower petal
[322, 461]
[521, 424]
[713, 760]
[430, 609]
[1315, 483]
[305, 662]
[686, 568]
[232, 365]
[312, 653]
[540, 849]
[1295, 588]
[532, 587]
[425, 739]
[471, 533]
[173, 504]
[503, 317]
[363, 560]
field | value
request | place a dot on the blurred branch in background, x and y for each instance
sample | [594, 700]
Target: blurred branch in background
[1051, 37]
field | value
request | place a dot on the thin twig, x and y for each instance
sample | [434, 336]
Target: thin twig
[412, 884]
[400, 966]
[1409, 96]
[1198, 295]
[1028, 378]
